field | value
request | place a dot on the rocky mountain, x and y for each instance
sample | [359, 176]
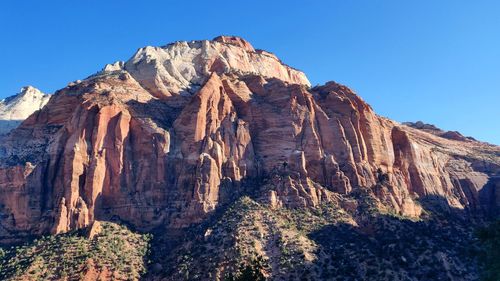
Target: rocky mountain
[14, 109]
[238, 166]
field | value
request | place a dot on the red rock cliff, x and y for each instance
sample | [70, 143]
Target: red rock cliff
[176, 131]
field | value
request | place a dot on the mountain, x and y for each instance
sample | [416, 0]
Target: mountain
[238, 167]
[14, 109]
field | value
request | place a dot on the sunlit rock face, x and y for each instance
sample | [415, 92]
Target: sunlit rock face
[177, 131]
[16, 108]
[182, 67]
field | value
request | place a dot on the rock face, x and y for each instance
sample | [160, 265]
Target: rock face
[14, 109]
[177, 131]
[181, 68]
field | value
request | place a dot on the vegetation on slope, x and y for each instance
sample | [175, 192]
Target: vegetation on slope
[490, 256]
[351, 239]
[115, 252]
[348, 240]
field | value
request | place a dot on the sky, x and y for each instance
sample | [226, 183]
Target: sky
[435, 61]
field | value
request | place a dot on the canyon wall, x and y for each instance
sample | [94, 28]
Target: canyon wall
[177, 131]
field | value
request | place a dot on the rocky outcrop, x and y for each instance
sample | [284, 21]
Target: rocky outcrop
[175, 132]
[452, 135]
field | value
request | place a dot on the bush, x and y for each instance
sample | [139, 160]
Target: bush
[251, 271]
[490, 256]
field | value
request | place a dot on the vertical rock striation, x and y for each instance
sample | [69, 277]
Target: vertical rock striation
[176, 131]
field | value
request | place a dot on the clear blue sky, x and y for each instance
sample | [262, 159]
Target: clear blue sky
[436, 61]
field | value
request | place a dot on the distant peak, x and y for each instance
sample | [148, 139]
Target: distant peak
[21, 105]
[30, 90]
[236, 41]
[25, 92]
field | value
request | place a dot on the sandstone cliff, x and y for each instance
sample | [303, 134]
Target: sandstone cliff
[177, 131]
